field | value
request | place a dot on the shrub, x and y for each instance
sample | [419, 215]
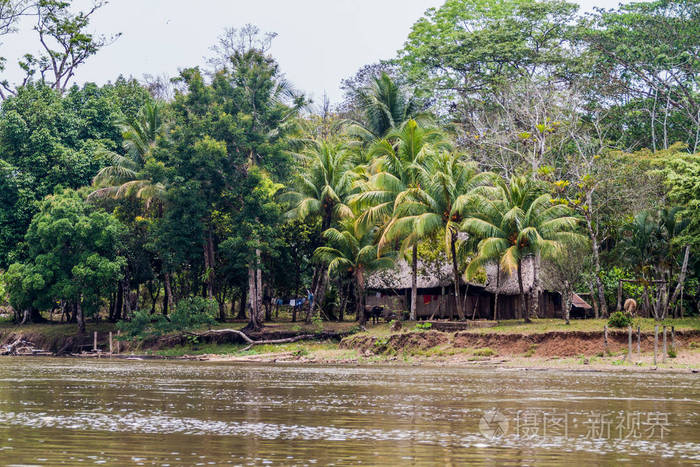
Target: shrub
[190, 313]
[672, 353]
[619, 320]
[423, 326]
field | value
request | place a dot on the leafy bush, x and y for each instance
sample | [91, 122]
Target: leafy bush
[619, 319]
[190, 313]
[423, 326]
[672, 353]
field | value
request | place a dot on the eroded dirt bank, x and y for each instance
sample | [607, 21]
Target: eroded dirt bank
[548, 344]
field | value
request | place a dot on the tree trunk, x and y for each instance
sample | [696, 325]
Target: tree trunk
[596, 258]
[535, 286]
[169, 301]
[79, 315]
[208, 271]
[127, 302]
[252, 300]
[457, 276]
[594, 301]
[119, 305]
[258, 286]
[523, 308]
[567, 296]
[414, 283]
[681, 277]
[242, 305]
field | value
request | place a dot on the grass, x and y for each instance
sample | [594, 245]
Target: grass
[540, 326]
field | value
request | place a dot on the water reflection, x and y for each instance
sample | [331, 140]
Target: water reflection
[183, 413]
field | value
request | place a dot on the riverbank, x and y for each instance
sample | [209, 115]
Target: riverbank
[542, 344]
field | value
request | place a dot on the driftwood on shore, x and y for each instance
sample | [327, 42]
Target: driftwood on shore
[248, 340]
[22, 347]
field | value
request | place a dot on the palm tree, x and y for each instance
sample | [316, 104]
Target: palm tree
[351, 252]
[394, 171]
[322, 192]
[124, 177]
[432, 205]
[514, 221]
[385, 106]
[647, 245]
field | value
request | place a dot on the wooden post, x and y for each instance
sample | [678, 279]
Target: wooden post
[605, 339]
[656, 342]
[629, 343]
[110, 342]
[663, 358]
[119, 333]
[639, 339]
[94, 341]
[673, 339]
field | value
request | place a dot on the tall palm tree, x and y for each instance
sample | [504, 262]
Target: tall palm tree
[432, 205]
[353, 252]
[322, 192]
[393, 171]
[514, 221]
[323, 189]
[385, 106]
[124, 177]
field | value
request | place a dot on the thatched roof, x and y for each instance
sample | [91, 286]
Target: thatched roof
[508, 283]
[399, 277]
[439, 274]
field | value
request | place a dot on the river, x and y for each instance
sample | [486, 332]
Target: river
[79, 412]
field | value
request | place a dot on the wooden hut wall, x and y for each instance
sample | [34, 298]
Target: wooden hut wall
[479, 304]
[392, 301]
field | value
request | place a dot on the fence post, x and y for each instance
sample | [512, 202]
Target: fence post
[663, 358]
[94, 341]
[639, 339]
[119, 333]
[656, 342]
[673, 339]
[629, 343]
[110, 342]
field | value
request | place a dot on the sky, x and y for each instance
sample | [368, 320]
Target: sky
[319, 42]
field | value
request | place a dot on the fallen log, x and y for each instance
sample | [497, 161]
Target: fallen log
[22, 347]
[248, 340]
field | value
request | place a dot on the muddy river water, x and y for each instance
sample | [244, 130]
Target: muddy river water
[78, 412]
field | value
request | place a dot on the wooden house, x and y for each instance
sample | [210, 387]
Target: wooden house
[391, 289]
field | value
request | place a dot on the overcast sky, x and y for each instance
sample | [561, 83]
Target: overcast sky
[320, 42]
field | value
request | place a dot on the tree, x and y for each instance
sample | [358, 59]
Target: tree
[432, 205]
[465, 49]
[125, 177]
[66, 44]
[322, 193]
[72, 255]
[514, 221]
[563, 273]
[354, 252]
[635, 52]
[394, 171]
[48, 140]
[385, 107]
